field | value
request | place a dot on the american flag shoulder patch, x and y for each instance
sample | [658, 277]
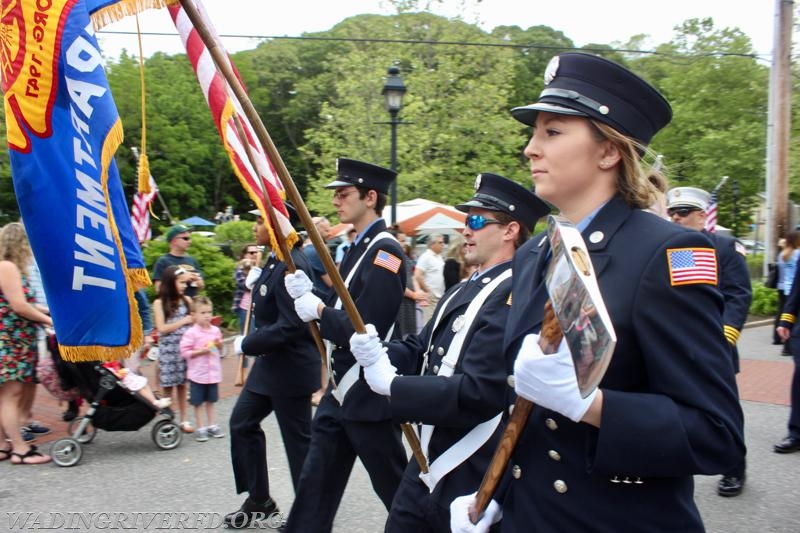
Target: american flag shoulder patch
[688, 266]
[388, 261]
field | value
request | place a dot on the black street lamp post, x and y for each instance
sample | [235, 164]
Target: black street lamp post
[393, 93]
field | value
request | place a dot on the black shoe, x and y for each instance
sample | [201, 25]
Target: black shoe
[71, 413]
[730, 486]
[251, 511]
[787, 445]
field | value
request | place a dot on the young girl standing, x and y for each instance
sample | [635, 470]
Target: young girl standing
[171, 311]
[200, 346]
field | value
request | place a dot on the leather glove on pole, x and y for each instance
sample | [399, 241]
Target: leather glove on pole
[549, 380]
[307, 307]
[297, 284]
[459, 515]
[366, 347]
[379, 375]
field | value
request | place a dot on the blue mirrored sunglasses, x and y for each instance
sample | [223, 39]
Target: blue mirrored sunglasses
[476, 222]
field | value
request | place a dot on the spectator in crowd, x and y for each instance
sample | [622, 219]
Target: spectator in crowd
[429, 273]
[172, 311]
[32, 428]
[19, 317]
[407, 323]
[787, 264]
[322, 281]
[200, 345]
[342, 248]
[241, 296]
[455, 268]
[179, 240]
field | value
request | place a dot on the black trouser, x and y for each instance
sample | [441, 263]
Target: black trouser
[335, 444]
[249, 445]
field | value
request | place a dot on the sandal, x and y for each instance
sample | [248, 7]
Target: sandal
[37, 457]
[186, 427]
[5, 454]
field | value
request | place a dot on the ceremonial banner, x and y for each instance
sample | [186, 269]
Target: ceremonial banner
[63, 130]
[262, 183]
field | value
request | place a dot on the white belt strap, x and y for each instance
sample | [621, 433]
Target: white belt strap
[477, 437]
[351, 376]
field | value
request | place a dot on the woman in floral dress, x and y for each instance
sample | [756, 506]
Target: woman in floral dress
[18, 319]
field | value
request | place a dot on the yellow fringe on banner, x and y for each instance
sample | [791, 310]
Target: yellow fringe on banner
[124, 8]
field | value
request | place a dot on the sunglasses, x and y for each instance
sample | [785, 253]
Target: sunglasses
[682, 211]
[341, 196]
[252, 251]
[476, 222]
[180, 271]
[186, 238]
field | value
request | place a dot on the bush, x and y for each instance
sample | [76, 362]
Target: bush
[765, 301]
[234, 235]
[217, 271]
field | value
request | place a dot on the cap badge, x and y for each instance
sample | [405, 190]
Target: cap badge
[361, 180]
[477, 182]
[551, 70]
[512, 207]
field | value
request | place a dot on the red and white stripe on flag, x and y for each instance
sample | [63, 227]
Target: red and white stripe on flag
[258, 177]
[140, 212]
[711, 214]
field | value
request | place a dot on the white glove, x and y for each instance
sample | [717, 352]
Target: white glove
[252, 277]
[380, 375]
[366, 347]
[307, 307]
[297, 284]
[459, 515]
[549, 380]
[237, 344]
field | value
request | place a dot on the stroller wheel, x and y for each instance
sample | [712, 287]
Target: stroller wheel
[87, 435]
[166, 434]
[66, 452]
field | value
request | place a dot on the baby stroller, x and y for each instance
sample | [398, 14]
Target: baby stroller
[112, 408]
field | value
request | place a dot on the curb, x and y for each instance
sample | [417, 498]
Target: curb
[757, 323]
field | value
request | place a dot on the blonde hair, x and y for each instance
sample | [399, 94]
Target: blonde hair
[14, 246]
[455, 250]
[639, 188]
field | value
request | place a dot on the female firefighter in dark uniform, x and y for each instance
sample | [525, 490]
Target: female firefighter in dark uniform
[621, 459]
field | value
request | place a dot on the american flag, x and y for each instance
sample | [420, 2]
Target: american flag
[692, 265]
[140, 212]
[388, 261]
[711, 214]
[262, 182]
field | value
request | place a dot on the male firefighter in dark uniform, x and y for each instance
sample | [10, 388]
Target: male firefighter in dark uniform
[687, 206]
[453, 378]
[351, 420]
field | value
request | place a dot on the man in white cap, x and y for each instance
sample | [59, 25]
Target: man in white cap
[688, 206]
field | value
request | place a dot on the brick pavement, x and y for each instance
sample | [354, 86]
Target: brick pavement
[764, 380]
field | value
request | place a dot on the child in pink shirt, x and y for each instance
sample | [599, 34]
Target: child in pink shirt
[200, 346]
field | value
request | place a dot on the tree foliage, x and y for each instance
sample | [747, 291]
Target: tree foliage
[320, 98]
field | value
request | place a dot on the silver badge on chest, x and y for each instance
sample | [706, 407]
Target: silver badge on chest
[263, 290]
[458, 323]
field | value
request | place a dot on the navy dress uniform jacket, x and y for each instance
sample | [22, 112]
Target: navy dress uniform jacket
[734, 283]
[282, 379]
[473, 394]
[290, 365]
[377, 293]
[670, 406]
[788, 319]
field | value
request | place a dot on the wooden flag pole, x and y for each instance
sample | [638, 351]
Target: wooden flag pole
[224, 67]
[273, 220]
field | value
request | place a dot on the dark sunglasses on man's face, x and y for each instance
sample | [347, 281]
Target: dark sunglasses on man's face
[682, 211]
[476, 222]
